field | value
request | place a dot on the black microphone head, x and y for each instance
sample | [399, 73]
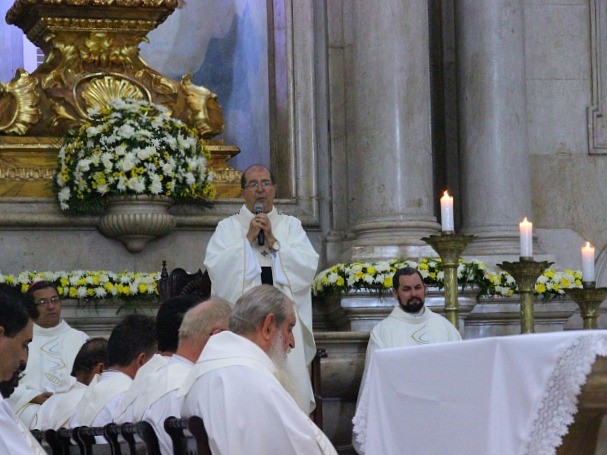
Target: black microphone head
[258, 207]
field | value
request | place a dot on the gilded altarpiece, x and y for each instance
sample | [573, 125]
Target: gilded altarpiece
[91, 52]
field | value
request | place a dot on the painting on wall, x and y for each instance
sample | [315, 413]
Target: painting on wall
[227, 45]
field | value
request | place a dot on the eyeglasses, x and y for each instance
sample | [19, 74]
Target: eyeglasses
[255, 184]
[54, 299]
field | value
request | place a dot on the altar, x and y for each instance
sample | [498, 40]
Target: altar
[510, 395]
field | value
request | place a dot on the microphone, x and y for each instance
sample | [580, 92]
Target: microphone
[258, 208]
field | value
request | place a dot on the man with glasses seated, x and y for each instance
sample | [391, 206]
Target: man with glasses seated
[260, 245]
[51, 353]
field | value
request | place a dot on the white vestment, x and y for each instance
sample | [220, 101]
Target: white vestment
[234, 266]
[14, 437]
[96, 406]
[402, 329]
[49, 365]
[124, 412]
[244, 407]
[56, 412]
[157, 398]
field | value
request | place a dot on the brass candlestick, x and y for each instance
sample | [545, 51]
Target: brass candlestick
[526, 272]
[589, 299]
[449, 247]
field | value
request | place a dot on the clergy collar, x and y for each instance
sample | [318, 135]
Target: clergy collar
[402, 315]
[60, 328]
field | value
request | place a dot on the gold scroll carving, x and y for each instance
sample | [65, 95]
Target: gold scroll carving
[91, 52]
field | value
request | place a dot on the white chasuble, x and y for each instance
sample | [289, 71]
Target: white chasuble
[14, 437]
[234, 266]
[124, 412]
[158, 398]
[244, 407]
[56, 412]
[50, 361]
[111, 384]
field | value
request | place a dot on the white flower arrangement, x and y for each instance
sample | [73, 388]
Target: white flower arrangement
[131, 147]
[91, 284]
[349, 277]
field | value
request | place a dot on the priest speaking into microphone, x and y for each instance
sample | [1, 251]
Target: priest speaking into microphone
[260, 245]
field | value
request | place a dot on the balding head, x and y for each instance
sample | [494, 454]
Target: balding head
[199, 323]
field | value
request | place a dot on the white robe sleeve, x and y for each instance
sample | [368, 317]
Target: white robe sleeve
[227, 263]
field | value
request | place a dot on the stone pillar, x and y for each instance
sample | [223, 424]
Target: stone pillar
[496, 180]
[388, 129]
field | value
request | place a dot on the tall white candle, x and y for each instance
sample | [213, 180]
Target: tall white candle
[446, 212]
[587, 263]
[526, 229]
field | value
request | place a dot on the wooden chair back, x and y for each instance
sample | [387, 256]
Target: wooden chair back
[184, 442]
[180, 282]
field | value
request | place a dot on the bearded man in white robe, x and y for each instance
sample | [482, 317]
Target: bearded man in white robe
[410, 323]
[260, 245]
[16, 331]
[56, 412]
[131, 345]
[157, 398]
[51, 356]
[234, 386]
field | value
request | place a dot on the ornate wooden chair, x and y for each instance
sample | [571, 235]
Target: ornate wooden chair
[62, 441]
[180, 282]
[91, 441]
[315, 369]
[196, 427]
[184, 442]
[132, 438]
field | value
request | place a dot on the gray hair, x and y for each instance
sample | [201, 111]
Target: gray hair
[200, 321]
[255, 305]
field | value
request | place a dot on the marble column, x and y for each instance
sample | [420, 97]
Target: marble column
[388, 129]
[495, 173]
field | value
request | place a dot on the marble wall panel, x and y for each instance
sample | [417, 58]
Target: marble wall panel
[557, 41]
[556, 112]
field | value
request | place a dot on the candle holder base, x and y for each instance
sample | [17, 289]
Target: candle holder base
[449, 247]
[589, 299]
[526, 272]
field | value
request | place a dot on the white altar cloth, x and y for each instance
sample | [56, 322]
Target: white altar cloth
[513, 395]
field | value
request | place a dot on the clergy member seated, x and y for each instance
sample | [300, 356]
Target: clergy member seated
[132, 343]
[410, 323]
[168, 319]
[260, 245]
[157, 399]
[16, 331]
[56, 412]
[51, 353]
[234, 386]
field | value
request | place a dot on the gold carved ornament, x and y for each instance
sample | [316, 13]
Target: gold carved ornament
[19, 102]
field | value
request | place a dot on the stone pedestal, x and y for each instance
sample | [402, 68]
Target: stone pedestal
[98, 318]
[502, 316]
[360, 311]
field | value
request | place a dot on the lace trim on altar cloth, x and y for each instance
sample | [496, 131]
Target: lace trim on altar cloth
[558, 404]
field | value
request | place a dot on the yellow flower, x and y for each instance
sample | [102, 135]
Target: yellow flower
[371, 270]
[143, 288]
[540, 288]
[549, 273]
[73, 292]
[388, 282]
[423, 266]
[339, 281]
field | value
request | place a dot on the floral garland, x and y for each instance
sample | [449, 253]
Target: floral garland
[350, 277]
[91, 284]
[131, 147]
